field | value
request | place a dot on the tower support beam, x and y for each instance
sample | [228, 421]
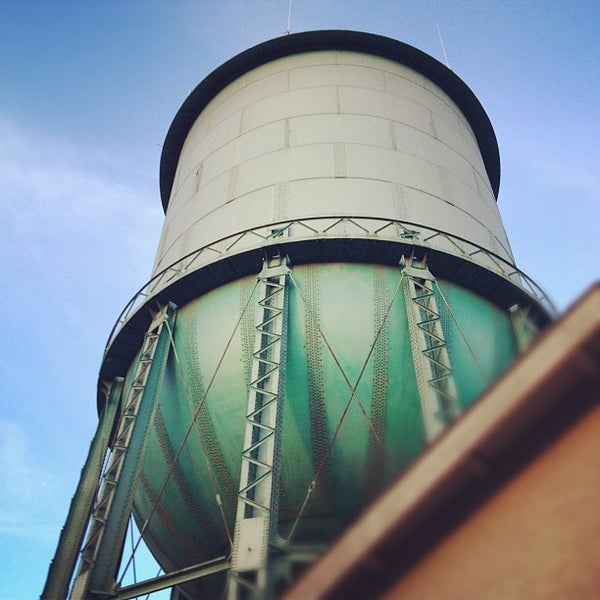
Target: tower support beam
[435, 379]
[71, 537]
[171, 579]
[256, 517]
[101, 552]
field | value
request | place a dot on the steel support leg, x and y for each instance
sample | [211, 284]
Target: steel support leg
[524, 329]
[256, 517]
[101, 552]
[435, 379]
[62, 566]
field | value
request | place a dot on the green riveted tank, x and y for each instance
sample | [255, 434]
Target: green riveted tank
[370, 171]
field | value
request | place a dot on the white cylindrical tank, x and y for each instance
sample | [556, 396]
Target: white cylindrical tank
[306, 136]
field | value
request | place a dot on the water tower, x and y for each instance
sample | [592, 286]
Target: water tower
[333, 286]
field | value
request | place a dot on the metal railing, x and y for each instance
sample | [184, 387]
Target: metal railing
[331, 227]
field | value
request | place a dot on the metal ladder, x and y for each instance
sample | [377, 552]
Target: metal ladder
[256, 517]
[101, 551]
[435, 380]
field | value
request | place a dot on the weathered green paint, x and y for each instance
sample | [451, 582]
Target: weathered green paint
[345, 304]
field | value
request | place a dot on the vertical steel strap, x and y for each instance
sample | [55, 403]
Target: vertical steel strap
[256, 517]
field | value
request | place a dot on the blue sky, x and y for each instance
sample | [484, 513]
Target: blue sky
[87, 92]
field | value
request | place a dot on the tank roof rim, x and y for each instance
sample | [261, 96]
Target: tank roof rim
[322, 40]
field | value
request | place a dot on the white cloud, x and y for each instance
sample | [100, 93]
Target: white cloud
[53, 188]
[29, 492]
[75, 224]
[78, 233]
